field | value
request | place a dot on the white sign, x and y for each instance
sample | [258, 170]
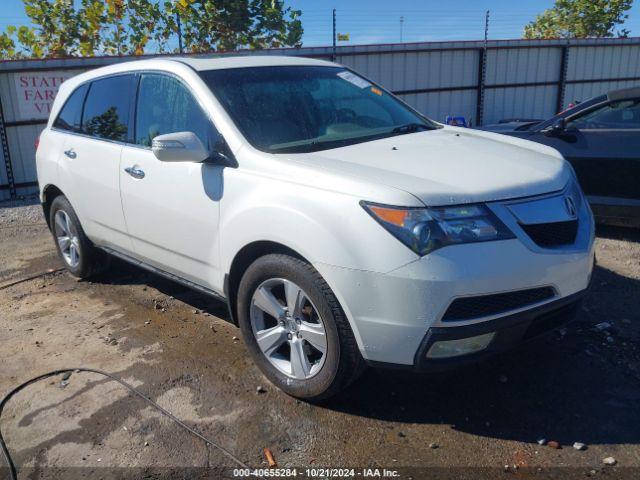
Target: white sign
[36, 91]
[353, 78]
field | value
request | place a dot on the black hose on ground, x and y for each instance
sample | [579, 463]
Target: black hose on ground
[5, 400]
[51, 271]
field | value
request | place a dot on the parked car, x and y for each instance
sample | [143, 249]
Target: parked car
[511, 124]
[601, 139]
[341, 227]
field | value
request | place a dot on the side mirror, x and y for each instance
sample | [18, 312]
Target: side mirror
[557, 128]
[179, 147]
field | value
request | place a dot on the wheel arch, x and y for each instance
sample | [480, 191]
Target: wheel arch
[49, 194]
[241, 261]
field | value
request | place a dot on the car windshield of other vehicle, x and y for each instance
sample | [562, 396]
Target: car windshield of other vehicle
[306, 108]
[618, 115]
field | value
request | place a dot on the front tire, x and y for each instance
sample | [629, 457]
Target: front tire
[295, 329]
[76, 251]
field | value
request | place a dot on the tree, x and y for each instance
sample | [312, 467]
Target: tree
[55, 31]
[120, 27]
[228, 24]
[134, 27]
[580, 19]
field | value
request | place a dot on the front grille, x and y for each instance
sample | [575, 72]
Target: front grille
[480, 306]
[552, 234]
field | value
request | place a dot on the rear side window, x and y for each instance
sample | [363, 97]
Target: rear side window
[165, 105]
[70, 115]
[106, 110]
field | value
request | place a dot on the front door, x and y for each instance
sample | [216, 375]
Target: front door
[172, 209]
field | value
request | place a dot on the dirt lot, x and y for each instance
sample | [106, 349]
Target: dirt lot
[581, 384]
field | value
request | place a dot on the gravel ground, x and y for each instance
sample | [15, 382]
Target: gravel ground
[20, 212]
[581, 384]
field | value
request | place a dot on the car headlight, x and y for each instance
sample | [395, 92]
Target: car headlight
[424, 230]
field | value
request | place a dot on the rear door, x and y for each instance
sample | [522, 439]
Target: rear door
[172, 209]
[603, 145]
[90, 164]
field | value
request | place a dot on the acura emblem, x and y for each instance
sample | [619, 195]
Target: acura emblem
[570, 207]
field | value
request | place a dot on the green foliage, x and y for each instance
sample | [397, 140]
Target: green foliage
[55, 31]
[7, 45]
[134, 27]
[227, 24]
[580, 19]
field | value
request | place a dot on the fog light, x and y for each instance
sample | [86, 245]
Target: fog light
[461, 346]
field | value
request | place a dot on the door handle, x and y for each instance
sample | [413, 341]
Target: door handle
[70, 153]
[135, 172]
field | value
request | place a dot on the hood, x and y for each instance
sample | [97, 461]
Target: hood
[450, 166]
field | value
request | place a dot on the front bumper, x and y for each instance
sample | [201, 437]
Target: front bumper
[395, 316]
[390, 314]
[509, 332]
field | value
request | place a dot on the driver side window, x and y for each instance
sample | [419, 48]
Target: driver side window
[165, 105]
[621, 115]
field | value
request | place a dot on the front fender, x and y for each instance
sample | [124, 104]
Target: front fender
[321, 225]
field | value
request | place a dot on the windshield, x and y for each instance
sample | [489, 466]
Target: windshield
[306, 108]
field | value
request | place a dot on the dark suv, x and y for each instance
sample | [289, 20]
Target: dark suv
[601, 139]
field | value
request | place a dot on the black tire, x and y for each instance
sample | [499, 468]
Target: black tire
[91, 260]
[343, 362]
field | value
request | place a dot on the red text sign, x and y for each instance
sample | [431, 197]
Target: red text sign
[36, 92]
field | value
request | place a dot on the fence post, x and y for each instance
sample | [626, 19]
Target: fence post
[7, 157]
[562, 80]
[482, 73]
[333, 51]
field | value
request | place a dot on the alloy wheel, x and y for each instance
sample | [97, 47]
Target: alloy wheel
[67, 238]
[288, 328]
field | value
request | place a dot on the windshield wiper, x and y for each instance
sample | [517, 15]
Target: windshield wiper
[410, 128]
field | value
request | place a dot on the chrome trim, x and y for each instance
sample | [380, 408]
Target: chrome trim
[570, 206]
[91, 137]
[135, 172]
[586, 225]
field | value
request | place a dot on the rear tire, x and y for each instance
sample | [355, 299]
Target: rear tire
[324, 373]
[76, 251]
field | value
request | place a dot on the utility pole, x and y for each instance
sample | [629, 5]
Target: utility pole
[401, 25]
[179, 31]
[333, 56]
[482, 73]
[486, 29]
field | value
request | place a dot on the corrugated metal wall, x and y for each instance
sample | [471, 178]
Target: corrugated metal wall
[522, 78]
[521, 67]
[437, 83]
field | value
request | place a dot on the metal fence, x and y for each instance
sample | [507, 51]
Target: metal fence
[484, 82]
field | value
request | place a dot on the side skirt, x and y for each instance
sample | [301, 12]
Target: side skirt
[170, 276]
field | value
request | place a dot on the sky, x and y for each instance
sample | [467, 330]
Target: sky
[379, 21]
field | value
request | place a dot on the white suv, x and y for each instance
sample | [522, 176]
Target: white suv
[342, 227]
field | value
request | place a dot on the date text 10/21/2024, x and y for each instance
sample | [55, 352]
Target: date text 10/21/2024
[319, 472]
